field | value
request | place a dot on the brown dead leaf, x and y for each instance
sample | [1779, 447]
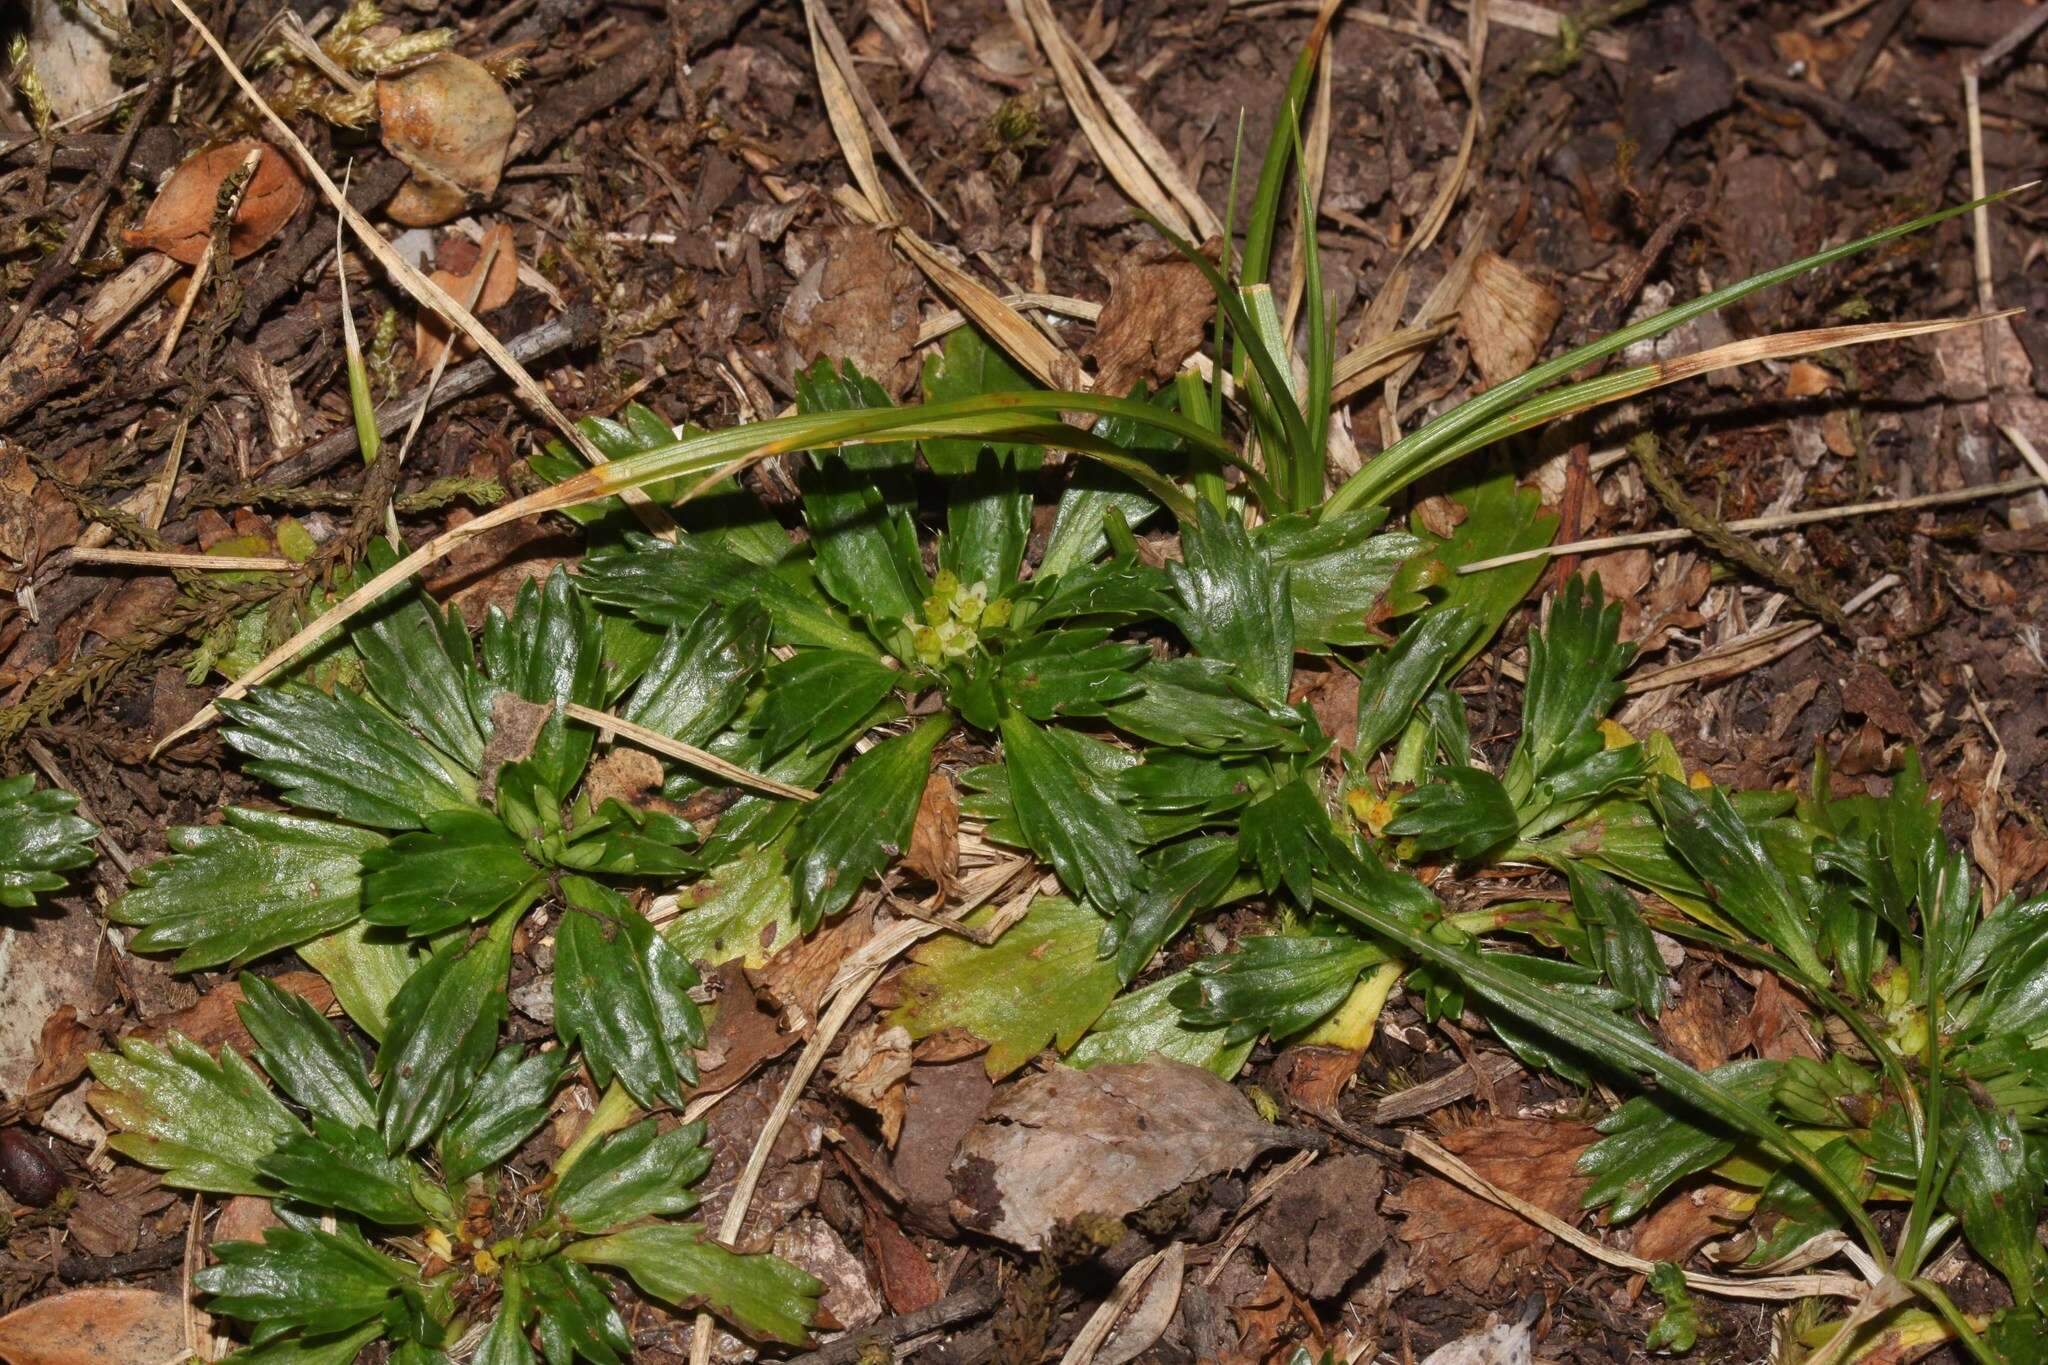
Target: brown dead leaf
[810, 1243]
[60, 1057]
[1804, 379]
[100, 1325]
[244, 1218]
[797, 977]
[1314, 1077]
[1322, 1224]
[1440, 516]
[934, 852]
[741, 1035]
[1505, 316]
[1331, 690]
[102, 1226]
[1271, 1321]
[431, 330]
[451, 122]
[1690, 1217]
[216, 1020]
[1159, 306]
[1696, 1024]
[180, 220]
[908, 1280]
[857, 300]
[1867, 692]
[941, 1107]
[1462, 1238]
[1106, 1141]
[20, 545]
[870, 1070]
[1775, 1026]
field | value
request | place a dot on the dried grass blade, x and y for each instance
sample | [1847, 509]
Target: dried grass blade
[835, 53]
[418, 285]
[702, 759]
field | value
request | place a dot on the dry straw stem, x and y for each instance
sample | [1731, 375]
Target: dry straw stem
[167, 559]
[1129, 151]
[825, 32]
[1770, 1287]
[1783, 521]
[417, 284]
[1752, 651]
[1169, 1262]
[223, 214]
[702, 759]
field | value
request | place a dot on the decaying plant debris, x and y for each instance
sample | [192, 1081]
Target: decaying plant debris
[866, 707]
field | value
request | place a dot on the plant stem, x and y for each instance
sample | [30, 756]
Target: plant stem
[611, 1114]
[1966, 1335]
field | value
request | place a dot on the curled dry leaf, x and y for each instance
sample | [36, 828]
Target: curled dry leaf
[430, 333]
[1505, 316]
[934, 852]
[180, 221]
[452, 123]
[1159, 306]
[1463, 1238]
[871, 1069]
[1106, 1141]
[101, 1325]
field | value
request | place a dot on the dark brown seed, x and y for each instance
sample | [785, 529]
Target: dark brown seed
[27, 1170]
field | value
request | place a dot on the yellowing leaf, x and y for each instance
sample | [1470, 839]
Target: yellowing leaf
[1041, 982]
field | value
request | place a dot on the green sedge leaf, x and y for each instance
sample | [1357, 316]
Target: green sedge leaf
[549, 651]
[506, 1106]
[1463, 810]
[305, 1055]
[1622, 943]
[624, 998]
[444, 1028]
[1280, 984]
[670, 584]
[1747, 883]
[1180, 881]
[1199, 704]
[697, 681]
[576, 1316]
[464, 867]
[637, 1172]
[1541, 1049]
[343, 1167]
[420, 665]
[826, 388]
[763, 1296]
[1236, 604]
[39, 838]
[206, 1124]
[1043, 982]
[1145, 1023]
[819, 696]
[1995, 1192]
[339, 755]
[861, 823]
[1070, 817]
[1069, 673]
[1651, 1143]
[1393, 682]
[301, 1278]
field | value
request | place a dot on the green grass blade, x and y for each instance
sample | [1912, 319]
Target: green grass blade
[1264, 225]
[1603, 1037]
[1422, 450]
[1314, 465]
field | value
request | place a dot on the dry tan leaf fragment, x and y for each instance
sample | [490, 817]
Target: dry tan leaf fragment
[100, 1325]
[1159, 306]
[855, 300]
[452, 123]
[870, 1070]
[180, 220]
[1465, 1239]
[431, 331]
[934, 852]
[1505, 316]
[1105, 1141]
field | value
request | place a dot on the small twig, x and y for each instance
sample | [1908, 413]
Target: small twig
[226, 205]
[1725, 542]
[183, 562]
[959, 1306]
[1783, 521]
[685, 753]
[1882, 25]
